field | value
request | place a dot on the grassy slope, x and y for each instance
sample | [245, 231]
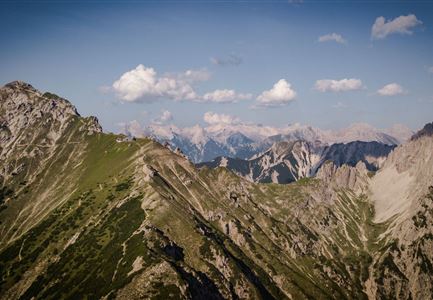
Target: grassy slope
[194, 232]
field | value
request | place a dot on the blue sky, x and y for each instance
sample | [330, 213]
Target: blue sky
[79, 50]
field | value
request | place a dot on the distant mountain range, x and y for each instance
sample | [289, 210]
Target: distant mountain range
[243, 141]
[285, 162]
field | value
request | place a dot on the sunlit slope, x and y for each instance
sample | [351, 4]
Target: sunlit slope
[143, 221]
[96, 215]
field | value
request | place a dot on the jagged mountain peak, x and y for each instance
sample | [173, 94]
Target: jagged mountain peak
[282, 147]
[18, 84]
[238, 138]
[344, 176]
[26, 105]
[427, 130]
[246, 140]
[288, 161]
[18, 95]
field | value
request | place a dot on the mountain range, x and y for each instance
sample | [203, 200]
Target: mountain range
[86, 215]
[285, 162]
[241, 140]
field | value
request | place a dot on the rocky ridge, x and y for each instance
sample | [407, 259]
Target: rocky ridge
[34, 126]
[426, 131]
[104, 217]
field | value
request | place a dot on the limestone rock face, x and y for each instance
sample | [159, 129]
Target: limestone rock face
[402, 193]
[407, 173]
[26, 106]
[354, 178]
[285, 162]
[22, 107]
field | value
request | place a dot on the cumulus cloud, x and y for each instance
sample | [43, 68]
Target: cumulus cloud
[225, 96]
[280, 94]
[231, 60]
[402, 25]
[143, 84]
[391, 89]
[136, 83]
[331, 85]
[215, 118]
[332, 37]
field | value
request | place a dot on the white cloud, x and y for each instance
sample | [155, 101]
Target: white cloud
[280, 94]
[391, 89]
[325, 85]
[175, 89]
[215, 118]
[332, 37]
[430, 69]
[132, 128]
[163, 118]
[136, 83]
[231, 60]
[143, 84]
[166, 116]
[402, 25]
[225, 96]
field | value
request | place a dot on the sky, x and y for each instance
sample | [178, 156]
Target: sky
[323, 63]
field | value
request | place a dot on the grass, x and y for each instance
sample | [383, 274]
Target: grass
[276, 231]
[103, 177]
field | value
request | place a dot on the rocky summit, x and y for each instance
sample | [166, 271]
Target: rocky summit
[86, 215]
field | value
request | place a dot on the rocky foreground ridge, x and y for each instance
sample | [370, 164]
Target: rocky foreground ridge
[87, 215]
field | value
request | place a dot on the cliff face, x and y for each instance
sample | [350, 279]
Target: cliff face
[402, 193]
[93, 215]
[286, 162]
